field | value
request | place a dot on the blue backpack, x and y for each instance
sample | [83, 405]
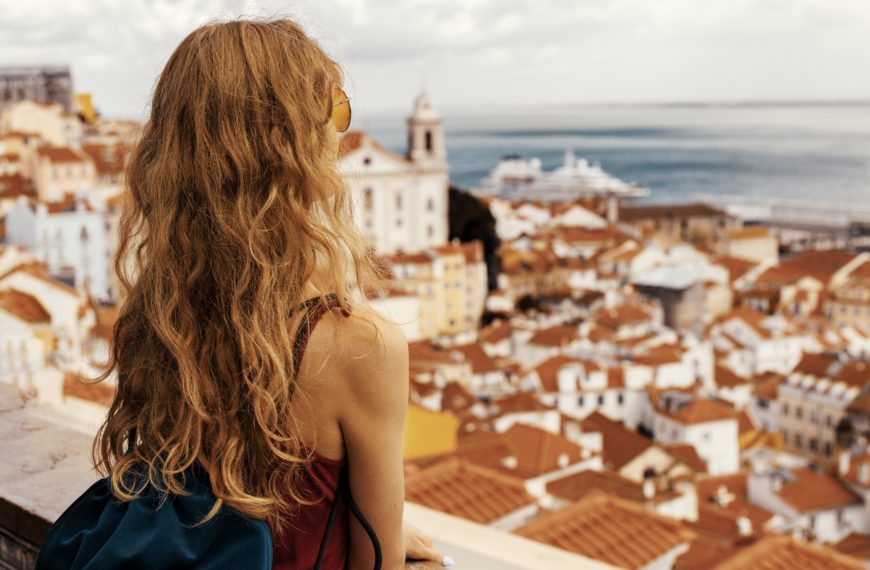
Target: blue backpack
[99, 532]
[157, 532]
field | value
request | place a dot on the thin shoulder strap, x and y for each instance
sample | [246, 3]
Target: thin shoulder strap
[343, 489]
[314, 310]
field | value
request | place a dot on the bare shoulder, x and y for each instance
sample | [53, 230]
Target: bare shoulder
[373, 355]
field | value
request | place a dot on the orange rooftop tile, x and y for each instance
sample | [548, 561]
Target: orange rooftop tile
[466, 490]
[608, 528]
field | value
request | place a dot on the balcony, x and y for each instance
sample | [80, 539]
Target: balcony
[46, 465]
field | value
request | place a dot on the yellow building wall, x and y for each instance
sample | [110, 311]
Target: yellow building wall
[428, 432]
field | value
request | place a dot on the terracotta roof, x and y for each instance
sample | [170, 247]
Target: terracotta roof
[857, 545]
[548, 371]
[861, 404]
[625, 314]
[737, 267]
[38, 269]
[686, 454]
[518, 403]
[555, 336]
[744, 422]
[402, 258]
[778, 552]
[615, 377]
[659, 355]
[424, 351]
[816, 364]
[818, 264]
[108, 158]
[456, 398]
[538, 451]
[78, 386]
[854, 373]
[14, 185]
[24, 306]
[610, 529]
[534, 451]
[767, 386]
[632, 213]
[480, 361]
[726, 378]
[466, 490]
[700, 410]
[496, 331]
[620, 444]
[577, 485]
[353, 140]
[810, 491]
[59, 154]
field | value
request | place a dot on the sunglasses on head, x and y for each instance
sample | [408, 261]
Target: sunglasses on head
[340, 109]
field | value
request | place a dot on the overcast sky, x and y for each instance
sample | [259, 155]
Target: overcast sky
[474, 52]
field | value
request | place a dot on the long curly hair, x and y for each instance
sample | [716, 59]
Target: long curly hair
[233, 202]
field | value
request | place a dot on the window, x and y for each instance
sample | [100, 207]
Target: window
[600, 399]
[429, 140]
[399, 200]
[799, 412]
[785, 436]
[620, 399]
[580, 401]
[828, 449]
[798, 441]
[430, 230]
[814, 417]
[368, 201]
[814, 444]
[785, 408]
[430, 205]
[398, 222]
[829, 421]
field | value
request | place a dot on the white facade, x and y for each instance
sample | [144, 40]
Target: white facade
[75, 239]
[400, 203]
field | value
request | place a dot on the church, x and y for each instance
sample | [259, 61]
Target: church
[400, 202]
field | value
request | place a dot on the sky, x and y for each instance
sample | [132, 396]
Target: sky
[478, 54]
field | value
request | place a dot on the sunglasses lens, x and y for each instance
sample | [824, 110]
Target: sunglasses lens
[340, 110]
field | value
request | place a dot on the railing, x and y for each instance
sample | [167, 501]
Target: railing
[45, 466]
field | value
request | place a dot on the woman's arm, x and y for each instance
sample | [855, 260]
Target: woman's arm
[372, 423]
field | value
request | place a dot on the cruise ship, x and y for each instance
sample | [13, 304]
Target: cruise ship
[520, 179]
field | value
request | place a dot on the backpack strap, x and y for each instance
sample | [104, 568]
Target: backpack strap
[343, 490]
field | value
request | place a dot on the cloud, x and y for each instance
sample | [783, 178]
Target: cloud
[526, 51]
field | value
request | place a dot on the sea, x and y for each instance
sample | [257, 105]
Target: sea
[816, 152]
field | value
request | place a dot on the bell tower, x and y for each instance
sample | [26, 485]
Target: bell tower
[426, 136]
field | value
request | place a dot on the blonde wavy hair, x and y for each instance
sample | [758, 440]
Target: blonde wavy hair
[234, 203]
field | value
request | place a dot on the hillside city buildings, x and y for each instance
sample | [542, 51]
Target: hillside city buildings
[646, 387]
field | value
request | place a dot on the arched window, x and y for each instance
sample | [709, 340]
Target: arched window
[429, 141]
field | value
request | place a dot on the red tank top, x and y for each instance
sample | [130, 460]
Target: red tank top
[299, 546]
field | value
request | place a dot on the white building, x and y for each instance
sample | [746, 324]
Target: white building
[71, 240]
[711, 427]
[400, 202]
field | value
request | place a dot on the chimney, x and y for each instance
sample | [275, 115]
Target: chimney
[744, 525]
[776, 482]
[844, 462]
[864, 473]
[649, 489]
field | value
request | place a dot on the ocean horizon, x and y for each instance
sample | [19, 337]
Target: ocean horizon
[810, 151]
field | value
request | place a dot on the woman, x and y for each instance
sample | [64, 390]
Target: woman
[236, 217]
